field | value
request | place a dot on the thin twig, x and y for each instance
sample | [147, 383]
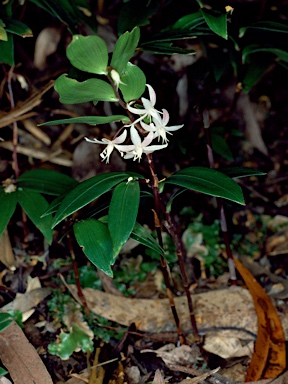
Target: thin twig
[164, 266]
[77, 278]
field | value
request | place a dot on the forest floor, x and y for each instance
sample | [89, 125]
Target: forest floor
[128, 317]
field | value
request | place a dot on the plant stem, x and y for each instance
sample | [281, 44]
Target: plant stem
[220, 206]
[77, 278]
[15, 126]
[180, 250]
[164, 266]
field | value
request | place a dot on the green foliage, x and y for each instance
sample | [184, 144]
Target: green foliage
[71, 12]
[46, 181]
[95, 240]
[8, 202]
[89, 54]
[202, 241]
[34, 204]
[74, 341]
[86, 192]
[92, 120]
[122, 214]
[134, 81]
[208, 181]
[124, 49]
[5, 320]
[72, 91]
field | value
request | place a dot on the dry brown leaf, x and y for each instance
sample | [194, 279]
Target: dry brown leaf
[269, 357]
[158, 378]
[36, 131]
[202, 377]
[26, 301]
[227, 347]
[227, 307]
[43, 154]
[20, 358]
[22, 107]
[6, 252]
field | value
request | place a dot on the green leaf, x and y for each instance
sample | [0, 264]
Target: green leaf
[8, 202]
[241, 172]
[46, 181]
[72, 92]
[35, 205]
[124, 49]
[18, 28]
[89, 54]
[219, 144]
[166, 48]
[175, 194]
[92, 120]
[208, 181]
[72, 13]
[271, 26]
[7, 51]
[122, 214]
[255, 48]
[134, 83]
[252, 72]
[216, 21]
[3, 34]
[86, 192]
[71, 342]
[136, 13]
[5, 320]
[3, 371]
[95, 240]
[140, 234]
[190, 21]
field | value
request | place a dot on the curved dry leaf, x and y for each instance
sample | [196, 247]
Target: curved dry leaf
[269, 358]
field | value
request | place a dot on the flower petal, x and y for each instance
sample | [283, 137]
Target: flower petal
[120, 139]
[152, 95]
[136, 140]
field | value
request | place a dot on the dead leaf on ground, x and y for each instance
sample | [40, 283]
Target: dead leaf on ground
[269, 357]
[21, 359]
[227, 307]
[228, 347]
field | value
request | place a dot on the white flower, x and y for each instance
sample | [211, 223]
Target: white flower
[148, 110]
[110, 145]
[159, 127]
[136, 150]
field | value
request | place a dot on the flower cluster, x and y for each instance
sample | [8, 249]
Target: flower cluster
[157, 128]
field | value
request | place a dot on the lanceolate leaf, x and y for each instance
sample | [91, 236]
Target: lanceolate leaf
[18, 28]
[92, 120]
[86, 192]
[255, 48]
[88, 53]
[46, 181]
[35, 205]
[270, 26]
[8, 203]
[216, 21]
[190, 21]
[140, 234]
[208, 181]
[124, 49]
[241, 172]
[94, 238]
[122, 214]
[72, 91]
[134, 83]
